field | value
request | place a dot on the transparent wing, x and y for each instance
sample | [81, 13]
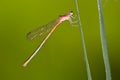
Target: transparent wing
[41, 30]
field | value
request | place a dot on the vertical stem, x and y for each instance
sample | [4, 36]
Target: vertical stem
[83, 43]
[104, 42]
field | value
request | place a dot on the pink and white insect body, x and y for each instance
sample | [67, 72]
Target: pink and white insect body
[40, 31]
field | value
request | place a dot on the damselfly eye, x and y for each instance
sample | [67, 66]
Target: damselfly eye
[71, 12]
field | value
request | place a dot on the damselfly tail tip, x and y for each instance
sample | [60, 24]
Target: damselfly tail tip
[25, 64]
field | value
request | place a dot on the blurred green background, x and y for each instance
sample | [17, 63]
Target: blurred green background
[61, 58]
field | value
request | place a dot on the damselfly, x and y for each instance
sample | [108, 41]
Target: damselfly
[44, 29]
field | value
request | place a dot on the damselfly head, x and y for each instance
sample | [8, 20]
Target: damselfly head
[71, 12]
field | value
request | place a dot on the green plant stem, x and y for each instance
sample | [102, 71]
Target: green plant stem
[104, 42]
[83, 43]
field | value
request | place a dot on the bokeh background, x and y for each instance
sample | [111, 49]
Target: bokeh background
[61, 58]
